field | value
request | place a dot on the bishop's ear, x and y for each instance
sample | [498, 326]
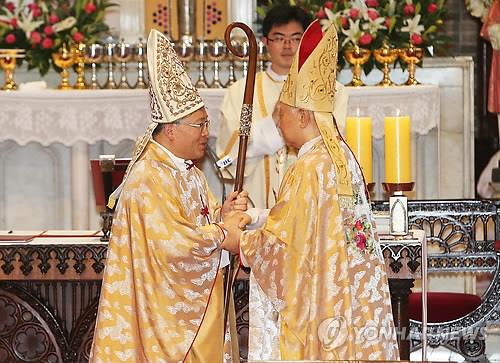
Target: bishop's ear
[304, 118]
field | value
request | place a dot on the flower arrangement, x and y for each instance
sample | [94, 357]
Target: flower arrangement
[42, 27]
[372, 23]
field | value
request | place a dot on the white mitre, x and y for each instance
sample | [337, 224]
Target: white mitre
[172, 95]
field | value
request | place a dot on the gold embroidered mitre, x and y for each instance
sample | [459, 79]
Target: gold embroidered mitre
[172, 95]
[311, 86]
[311, 82]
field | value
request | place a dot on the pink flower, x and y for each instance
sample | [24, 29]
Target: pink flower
[10, 6]
[35, 9]
[416, 39]
[372, 14]
[53, 19]
[321, 14]
[35, 37]
[354, 13]
[359, 225]
[365, 39]
[344, 22]
[78, 37]
[328, 4]
[432, 8]
[360, 240]
[47, 43]
[372, 3]
[13, 22]
[90, 8]
[10, 38]
[48, 30]
[409, 9]
[387, 22]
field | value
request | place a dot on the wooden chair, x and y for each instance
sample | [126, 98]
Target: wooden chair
[107, 174]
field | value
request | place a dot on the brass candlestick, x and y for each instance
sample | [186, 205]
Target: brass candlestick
[8, 62]
[140, 58]
[63, 59]
[93, 56]
[357, 57]
[386, 56]
[217, 51]
[79, 58]
[411, 56]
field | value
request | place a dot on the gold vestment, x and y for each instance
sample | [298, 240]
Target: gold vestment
[319, 262]
[161, 280]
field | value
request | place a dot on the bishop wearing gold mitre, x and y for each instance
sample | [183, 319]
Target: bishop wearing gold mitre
[162, 291]
[317, 257]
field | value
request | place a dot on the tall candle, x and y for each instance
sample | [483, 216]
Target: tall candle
[359, 139]
[397, 150]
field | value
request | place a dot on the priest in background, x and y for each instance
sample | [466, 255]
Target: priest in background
[162, 291]
[317, 257]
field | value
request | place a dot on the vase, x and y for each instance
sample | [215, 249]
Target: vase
[411, 56]
[357, 57]
[63, 59]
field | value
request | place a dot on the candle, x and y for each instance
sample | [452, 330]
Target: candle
[359, 139]
[397, 150]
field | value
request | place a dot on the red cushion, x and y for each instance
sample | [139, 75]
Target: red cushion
[442, 306]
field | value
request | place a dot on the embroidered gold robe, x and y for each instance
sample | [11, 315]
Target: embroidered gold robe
[162, 278]
[318, 261]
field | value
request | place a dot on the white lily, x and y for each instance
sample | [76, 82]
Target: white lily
[27, 24]
[67, 23]
[412, 25]
[373, 26]
[331, 18]
[353, 33]
[391, 7]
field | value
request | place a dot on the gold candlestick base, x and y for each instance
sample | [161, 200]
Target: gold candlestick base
[8, 62]
[78, 51]
[386, 56]
[411, 56]
[64, 59]
[357, 57]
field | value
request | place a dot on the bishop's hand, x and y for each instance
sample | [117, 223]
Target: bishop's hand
[235, 202]
[234, 223]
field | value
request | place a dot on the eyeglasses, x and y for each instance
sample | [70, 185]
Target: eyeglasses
[200, 126]
[295, 40]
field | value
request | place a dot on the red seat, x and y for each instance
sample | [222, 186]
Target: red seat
[442, 306]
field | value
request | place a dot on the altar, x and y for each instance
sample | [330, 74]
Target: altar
[48, 138]
[50, 283]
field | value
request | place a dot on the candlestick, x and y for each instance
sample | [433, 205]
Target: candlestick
[397, 150]
[359, 139]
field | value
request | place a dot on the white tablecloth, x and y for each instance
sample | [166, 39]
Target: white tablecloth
[66, 117]
[80, 119]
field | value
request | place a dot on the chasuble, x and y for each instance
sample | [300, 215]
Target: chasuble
[318, 261]
[317, 258]
[162, 279]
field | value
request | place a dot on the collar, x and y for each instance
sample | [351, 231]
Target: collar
[308, 146]
[275, 76]
[181, 164]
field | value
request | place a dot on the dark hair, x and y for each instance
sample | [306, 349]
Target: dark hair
[284, 14]
[158, 128]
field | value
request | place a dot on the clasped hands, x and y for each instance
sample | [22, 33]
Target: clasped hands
[234, 219]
